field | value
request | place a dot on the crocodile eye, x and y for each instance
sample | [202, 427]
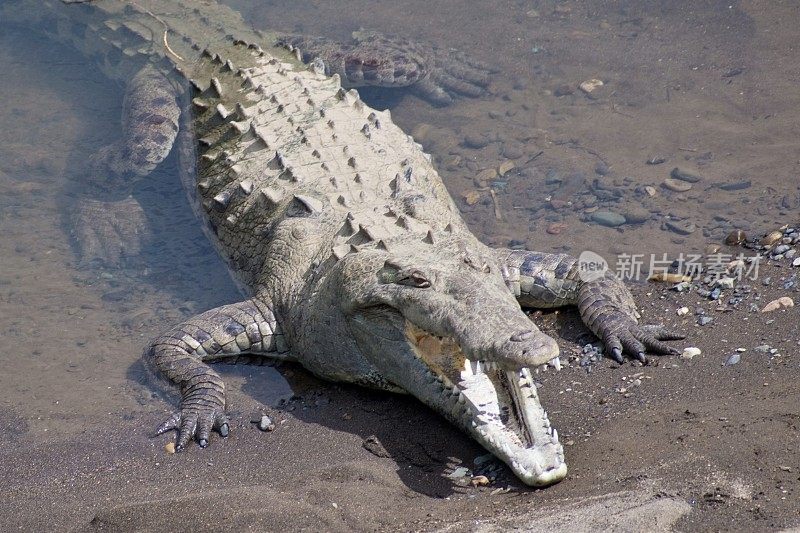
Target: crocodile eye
[415, 279]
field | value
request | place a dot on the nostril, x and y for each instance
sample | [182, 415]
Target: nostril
[521, 336]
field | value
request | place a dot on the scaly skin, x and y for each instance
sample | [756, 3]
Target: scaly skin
[336, 225]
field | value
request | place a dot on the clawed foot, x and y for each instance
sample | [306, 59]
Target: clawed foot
[374, 59]
[623, 335]
[108, 232]
[196, 423]
[453, 73]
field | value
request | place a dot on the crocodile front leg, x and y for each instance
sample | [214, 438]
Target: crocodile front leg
[605, 304]
[108, 223]
[181, 355]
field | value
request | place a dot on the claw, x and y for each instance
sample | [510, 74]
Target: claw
[202, 443]
[616, 354]
[641, 357]
[224, 429]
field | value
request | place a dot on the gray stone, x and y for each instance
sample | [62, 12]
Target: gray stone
[684, 175]
[735, 185]
[681, 228]
[609, 219]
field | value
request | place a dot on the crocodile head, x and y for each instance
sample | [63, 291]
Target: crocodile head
[439, 322]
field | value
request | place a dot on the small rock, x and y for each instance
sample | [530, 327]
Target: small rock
[479, 481]
[608, 219]
[504, 167]
[590, 86]
[705, 320]
[601, 169]
[483, 459]
[780, 249]
[169, 448]
[485, 175]
[763, 348]
[732, 360]
[563, 90]
[472, 197]
[636, 215]
[691, 352]
[683, 311]
[724, 283]
[374, 446]
[735, 237]
[513, 150]
[684, 175]
[556, 228]
[651, 191]
[736, 185]
[774, 305]
[476, 140]
[676, 185]
[265, 423]
[655, 160]
[796, 262]
[681, 228]
[461, 471]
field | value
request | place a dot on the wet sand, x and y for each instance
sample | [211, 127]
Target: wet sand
[695, 446]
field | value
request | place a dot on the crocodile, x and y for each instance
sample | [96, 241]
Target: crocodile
[351, 255]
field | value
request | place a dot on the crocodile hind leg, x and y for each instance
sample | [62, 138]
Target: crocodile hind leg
[378, 60]
[109, 224]
[182, 355]
[606, 306]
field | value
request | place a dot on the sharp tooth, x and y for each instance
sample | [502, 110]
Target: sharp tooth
[476, 368]
[467, 369]
[555, 362]
[555, 435]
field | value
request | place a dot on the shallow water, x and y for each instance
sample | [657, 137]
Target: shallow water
[708, 86]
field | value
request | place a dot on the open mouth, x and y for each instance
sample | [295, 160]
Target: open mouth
[499, 406]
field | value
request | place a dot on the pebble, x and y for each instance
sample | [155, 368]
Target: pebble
[636, 215]
[476, 140]
[715, 294]
[504, 167]
[735, 237]
[479, 481]
[483, 459]
[796, 262]
[265, 423]
[781, 249]
[736, 185]
[461, 471]
[655, 160]
[689, 353]
[472, 197]
[513, 150]
[684, 175]
[608, 219]
[763, 348]
[169, 448]
[771, 238]
[556, 228]
[601, 169]
[774, 305]
[650, 190]
[590, 86]
[683, 311]
[676, 185]
[724, 283]
[732, 360]
[485, 175]
[563, 90]
[705, 320]
[681, 228]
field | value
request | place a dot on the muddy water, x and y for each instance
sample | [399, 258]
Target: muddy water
[710, 87]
